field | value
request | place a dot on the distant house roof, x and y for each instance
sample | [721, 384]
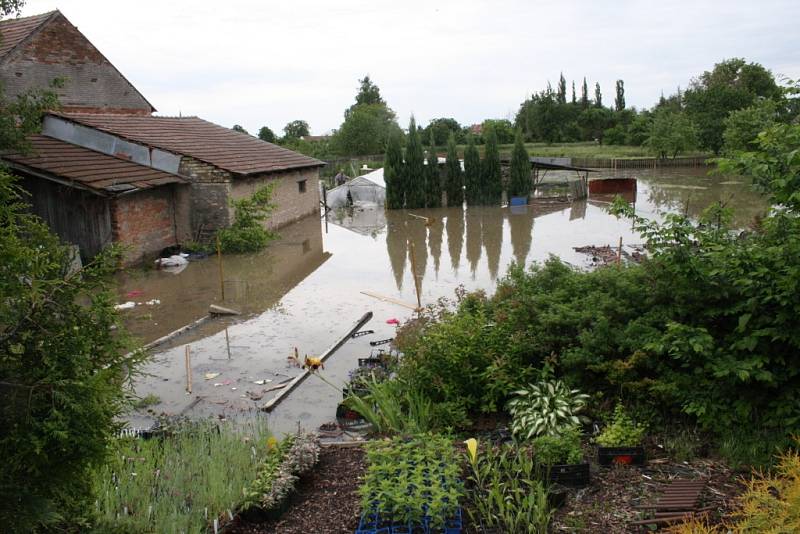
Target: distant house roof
[14, 31]
[222, 147]
[86, 168]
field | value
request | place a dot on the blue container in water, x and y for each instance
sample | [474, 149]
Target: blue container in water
[518, 201]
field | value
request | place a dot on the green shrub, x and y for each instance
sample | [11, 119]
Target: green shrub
[558, 449]
[546, 408]
[622, 431]
[247, 233]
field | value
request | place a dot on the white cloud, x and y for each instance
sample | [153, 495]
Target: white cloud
[257, 62]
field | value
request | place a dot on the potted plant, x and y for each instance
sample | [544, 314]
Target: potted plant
[620, 441]
[562, 458]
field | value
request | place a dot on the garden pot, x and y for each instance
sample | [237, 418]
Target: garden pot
[348, 418]
[572, 475]
[620, 455]
[371, 362]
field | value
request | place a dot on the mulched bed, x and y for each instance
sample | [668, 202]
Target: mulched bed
[326, 500]
[607, 504]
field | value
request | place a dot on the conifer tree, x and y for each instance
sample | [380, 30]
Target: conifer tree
[520, 180]
[584, 94]
[414, 175]
[491, 179]
[393, 174]
[455, 179]
[434, 180]
[598, 96]
[472, 173]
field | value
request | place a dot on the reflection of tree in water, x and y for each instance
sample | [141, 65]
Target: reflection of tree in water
[418, 234]
[455, 235]
[396, 244]
[521, 225]
[474, 238]
[577, 210]
[435, 232]
[492, 226]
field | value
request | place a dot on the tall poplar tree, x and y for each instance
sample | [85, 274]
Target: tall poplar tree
[491, 178]
[584, 94]
[573, 92]
[598, 96]
[393, 174]
[520, 181]
[562, 89]
[619, 100]
[472, 173]
[434, 180]
[414, 175]
[455, 179]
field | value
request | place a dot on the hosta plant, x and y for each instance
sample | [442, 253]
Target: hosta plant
[546, 408]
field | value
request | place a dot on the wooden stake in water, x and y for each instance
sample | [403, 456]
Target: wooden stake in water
[188, 370]
[619, 251]
[228, 343]
[414, 272]
[221, 274]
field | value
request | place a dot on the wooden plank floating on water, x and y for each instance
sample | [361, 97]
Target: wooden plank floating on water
[221, 310]
[389, 299]
[270, 405]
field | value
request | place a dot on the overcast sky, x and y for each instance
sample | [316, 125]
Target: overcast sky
[269, 62]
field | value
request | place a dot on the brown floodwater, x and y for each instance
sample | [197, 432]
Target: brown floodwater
[306, 289]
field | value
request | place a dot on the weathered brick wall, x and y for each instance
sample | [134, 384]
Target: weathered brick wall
[209, 205]
[59, 50]
[144, 222]
[290, 203]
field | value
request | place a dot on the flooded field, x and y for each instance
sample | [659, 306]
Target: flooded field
[308, 287]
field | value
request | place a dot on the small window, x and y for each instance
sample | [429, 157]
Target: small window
[301, 186]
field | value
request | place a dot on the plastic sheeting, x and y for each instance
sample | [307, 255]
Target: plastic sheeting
[366, 190]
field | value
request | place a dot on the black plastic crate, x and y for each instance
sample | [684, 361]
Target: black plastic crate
[572, 475]
[620, 455]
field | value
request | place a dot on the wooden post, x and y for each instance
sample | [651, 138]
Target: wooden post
[228, 343]
[414, 272]
[188, 370]
[221, 274]
[619, 251]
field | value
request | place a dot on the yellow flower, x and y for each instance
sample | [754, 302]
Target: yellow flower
[271, 443]
[472, 449]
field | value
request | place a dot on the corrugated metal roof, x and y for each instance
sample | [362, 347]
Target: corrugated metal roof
[103, 173]
[222, 147]
[14, 31]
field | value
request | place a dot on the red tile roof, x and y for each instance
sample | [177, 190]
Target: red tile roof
[222, 147]
[100, 172]
[14, 31]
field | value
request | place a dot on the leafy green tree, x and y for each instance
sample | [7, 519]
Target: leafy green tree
[503, 129]
[615, 135]
[619, 99]
[265, 134]
[743, 125]
[454, 179]
[366, 130]
[472, 173]
[520, 179]
[491, 178]
[598, 96]
[731, 85]
[594, 121]
[368, 94]
[414, 176]
[295, 129]
[671, 134]
[561, 95]
[393, 173]
[434, 180]
[639, 129]
[441, 129]
[240, 129]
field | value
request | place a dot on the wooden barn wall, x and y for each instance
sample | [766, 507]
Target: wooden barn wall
[76, 216]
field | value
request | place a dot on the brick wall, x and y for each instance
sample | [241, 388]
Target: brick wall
[209, 205]
[290, 203]
[59, 50]
[144, 222]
